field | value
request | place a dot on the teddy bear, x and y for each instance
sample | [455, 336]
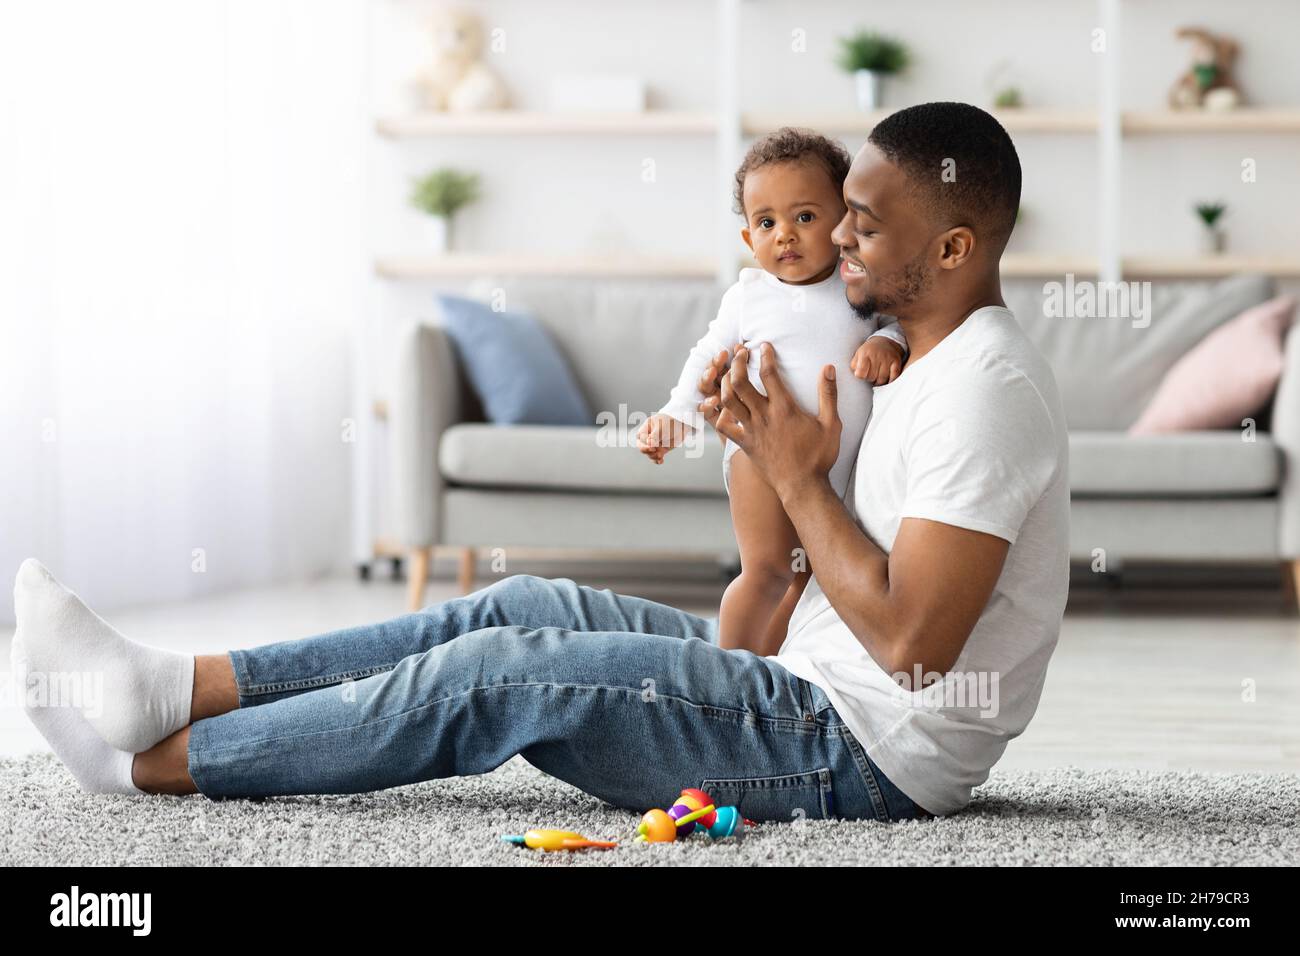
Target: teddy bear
[1209, 82]
[457, 80]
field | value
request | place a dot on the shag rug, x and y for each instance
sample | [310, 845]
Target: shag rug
[1065, 816]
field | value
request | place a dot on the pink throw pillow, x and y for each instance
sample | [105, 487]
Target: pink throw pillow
[1229, 375]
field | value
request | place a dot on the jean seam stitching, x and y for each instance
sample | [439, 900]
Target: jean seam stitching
[868, 777]
[253, 690]
[442, 700]
[789, 724]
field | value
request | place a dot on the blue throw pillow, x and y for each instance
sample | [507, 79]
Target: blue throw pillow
[513, 366]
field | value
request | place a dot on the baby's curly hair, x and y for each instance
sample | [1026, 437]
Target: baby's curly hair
[791, 144]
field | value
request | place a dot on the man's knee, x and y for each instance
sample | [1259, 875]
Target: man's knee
[530, 590]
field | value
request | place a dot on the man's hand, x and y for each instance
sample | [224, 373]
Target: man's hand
[789, 447]
[712, 404]
[878, 360]
[658, 435]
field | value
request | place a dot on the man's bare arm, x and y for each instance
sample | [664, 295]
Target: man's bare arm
[915, 606]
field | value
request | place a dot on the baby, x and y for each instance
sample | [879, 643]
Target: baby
[789, 189]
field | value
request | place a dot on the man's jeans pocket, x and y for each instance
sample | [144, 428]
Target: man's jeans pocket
[784, 799]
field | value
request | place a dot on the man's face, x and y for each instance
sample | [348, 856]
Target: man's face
[883, 238]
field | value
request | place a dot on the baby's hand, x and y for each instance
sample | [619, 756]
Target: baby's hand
[878, 360]
[658, 435]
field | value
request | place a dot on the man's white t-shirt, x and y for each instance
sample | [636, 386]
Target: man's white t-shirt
[973, 435]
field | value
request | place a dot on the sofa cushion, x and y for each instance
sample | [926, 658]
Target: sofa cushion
[1191, 464]
[1229, 376]
[544, 456]
[513, 366]
[1102, 464]
[1107, 369]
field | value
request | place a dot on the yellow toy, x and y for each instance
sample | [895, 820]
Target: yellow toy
[550, 840]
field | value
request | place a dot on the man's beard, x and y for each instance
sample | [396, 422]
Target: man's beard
[901, 289]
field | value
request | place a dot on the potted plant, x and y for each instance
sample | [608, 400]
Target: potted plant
[871, 57]
[440, 194]
[1008, 99]
[1214, 239]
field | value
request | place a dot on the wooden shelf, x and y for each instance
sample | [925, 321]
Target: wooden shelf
[461, 264]
[1194, 267]
[1024, 120]
[527, 123]
[1025, 264]
[464, 264]
[1243, 120]
[1014, 265]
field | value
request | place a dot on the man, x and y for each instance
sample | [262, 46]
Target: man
[961, 559]
[917, 651]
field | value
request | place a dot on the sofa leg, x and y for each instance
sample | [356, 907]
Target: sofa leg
[1291, 582]
[417, 577]
[465, 573]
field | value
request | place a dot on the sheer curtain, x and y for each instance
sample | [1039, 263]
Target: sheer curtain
[182, 266]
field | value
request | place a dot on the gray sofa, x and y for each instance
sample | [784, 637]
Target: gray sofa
[460, 483]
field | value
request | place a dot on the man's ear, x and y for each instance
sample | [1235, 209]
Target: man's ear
[956, 246]
[744, 234]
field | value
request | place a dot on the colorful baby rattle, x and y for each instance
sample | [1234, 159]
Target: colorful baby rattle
[694, 808]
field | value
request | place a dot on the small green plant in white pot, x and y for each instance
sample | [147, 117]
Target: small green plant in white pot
[441, 194]
[870, 57]
[1213, 239]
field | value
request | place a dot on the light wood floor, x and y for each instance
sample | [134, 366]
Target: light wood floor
[1144, 680]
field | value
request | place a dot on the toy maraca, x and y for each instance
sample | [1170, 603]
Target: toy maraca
[694, 807]
[556, 840]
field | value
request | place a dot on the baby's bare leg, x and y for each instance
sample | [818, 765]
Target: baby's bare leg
[767, 543]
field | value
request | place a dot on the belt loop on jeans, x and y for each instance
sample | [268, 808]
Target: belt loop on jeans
[806, 711]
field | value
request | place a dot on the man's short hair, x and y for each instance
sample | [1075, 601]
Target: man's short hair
[962, 165]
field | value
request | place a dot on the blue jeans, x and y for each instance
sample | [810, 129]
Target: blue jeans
[625, 699]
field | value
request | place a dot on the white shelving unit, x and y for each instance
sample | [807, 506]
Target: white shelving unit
[728, 125]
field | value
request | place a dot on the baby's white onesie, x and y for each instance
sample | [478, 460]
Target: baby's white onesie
[809, 326]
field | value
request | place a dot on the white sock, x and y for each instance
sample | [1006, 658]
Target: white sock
[135, 695]
[97, 766]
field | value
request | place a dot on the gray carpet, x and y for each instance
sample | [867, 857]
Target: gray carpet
[1066, 816]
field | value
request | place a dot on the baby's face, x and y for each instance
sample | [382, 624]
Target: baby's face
[790, 210]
